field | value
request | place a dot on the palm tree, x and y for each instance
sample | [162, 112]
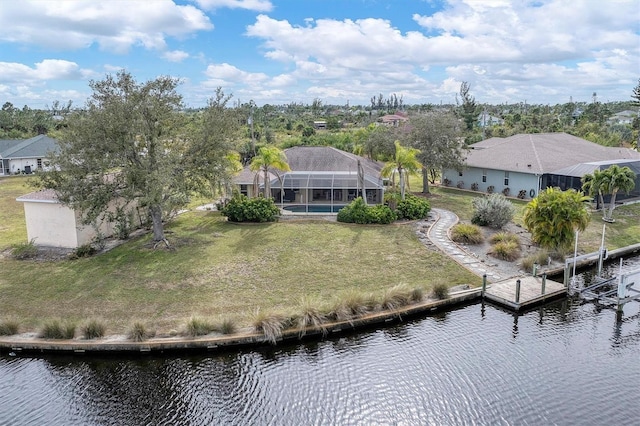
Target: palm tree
[618, 179]
[592, 185]
[404, 162]
[268, 158]
[554, 216]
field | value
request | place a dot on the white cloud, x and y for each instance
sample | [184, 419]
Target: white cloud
[175, 55]
[48, 69]
[113, 25]
[255, 5]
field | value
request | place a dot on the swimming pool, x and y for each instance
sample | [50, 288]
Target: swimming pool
[314, 208]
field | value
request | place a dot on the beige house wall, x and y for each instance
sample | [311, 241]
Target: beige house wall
[51, 224]
[55, 225]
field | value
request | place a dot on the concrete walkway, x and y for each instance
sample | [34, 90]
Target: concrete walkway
[439, 235]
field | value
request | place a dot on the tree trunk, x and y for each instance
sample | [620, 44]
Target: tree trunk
[402, 184]
[612, 205]
[156, 220]
[425, 180]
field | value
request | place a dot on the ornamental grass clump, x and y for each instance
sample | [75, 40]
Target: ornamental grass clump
[351, 304]
[541, 257]
[505, 250]
[226, 326]
[198, 327]
[22, 251]
[440, 291]
[467, 234]
[8, 327]
[55, 329]
[270, 325]
[93, 329]
[311, 315]
[139, 332]
[504, 237]
[396, 298]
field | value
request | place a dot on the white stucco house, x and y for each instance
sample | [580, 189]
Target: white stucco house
[522, 165]
[52, 224]
[25, 155]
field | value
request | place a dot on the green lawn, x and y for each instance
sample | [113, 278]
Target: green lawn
[219, 270]
[222, 270]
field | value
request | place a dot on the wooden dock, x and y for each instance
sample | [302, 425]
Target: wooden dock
[504, 292]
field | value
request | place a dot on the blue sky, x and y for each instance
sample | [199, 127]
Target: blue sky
[337, 51]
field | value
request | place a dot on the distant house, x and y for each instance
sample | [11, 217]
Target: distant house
[320, 125]
[623, 117]
[322, 179]
[393, 120]
[26, 155]
[487, 120]
[522, 165]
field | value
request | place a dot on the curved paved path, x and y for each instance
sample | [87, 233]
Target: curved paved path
[439, 235]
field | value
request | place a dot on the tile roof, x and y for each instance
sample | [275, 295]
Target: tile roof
[541, 153]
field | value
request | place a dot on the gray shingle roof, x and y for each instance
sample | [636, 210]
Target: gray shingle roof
[541, 153]
[320, 159]
[37, 147]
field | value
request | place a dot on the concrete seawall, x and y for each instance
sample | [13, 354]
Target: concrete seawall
[209, 343]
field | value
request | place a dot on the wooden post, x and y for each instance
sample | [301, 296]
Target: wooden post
[544, 282]
[535, 269]
[484, 284]
[518, 291]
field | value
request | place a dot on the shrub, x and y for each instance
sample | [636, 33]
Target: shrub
[467, 234]
[505, 250]
[84, 250]
[243, 209]
[198, 327]
[93, 329]
[474, 186]
[22, 251]
[380, 214]
[490, 189]
[8, 328]
[358, 212]
[138, 332]
[460, 184]
[440, 291]
[503, 237]
[494, 211]
[413, 208]
[54, 329]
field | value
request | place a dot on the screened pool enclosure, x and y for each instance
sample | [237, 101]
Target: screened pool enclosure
[308, 192]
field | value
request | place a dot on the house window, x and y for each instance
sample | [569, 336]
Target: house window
[244, 190]
[459, 173]
[484, 176]
[39, 163]
[506, 178]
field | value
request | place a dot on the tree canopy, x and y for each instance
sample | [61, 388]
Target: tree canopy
[129, 145]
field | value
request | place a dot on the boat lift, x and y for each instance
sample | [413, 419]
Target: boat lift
[604, 290]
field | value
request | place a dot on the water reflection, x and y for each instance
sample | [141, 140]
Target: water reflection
[473, 365]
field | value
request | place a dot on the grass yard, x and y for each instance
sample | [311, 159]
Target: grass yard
[217, 270]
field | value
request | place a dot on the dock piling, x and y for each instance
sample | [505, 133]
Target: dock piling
[518, 290]
[544, 282]
[484, 284]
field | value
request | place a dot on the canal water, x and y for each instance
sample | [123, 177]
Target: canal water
[569, 363]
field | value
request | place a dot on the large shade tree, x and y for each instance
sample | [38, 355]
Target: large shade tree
[269, 158]
[554, 216]
[438, 136]
[127, 145]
